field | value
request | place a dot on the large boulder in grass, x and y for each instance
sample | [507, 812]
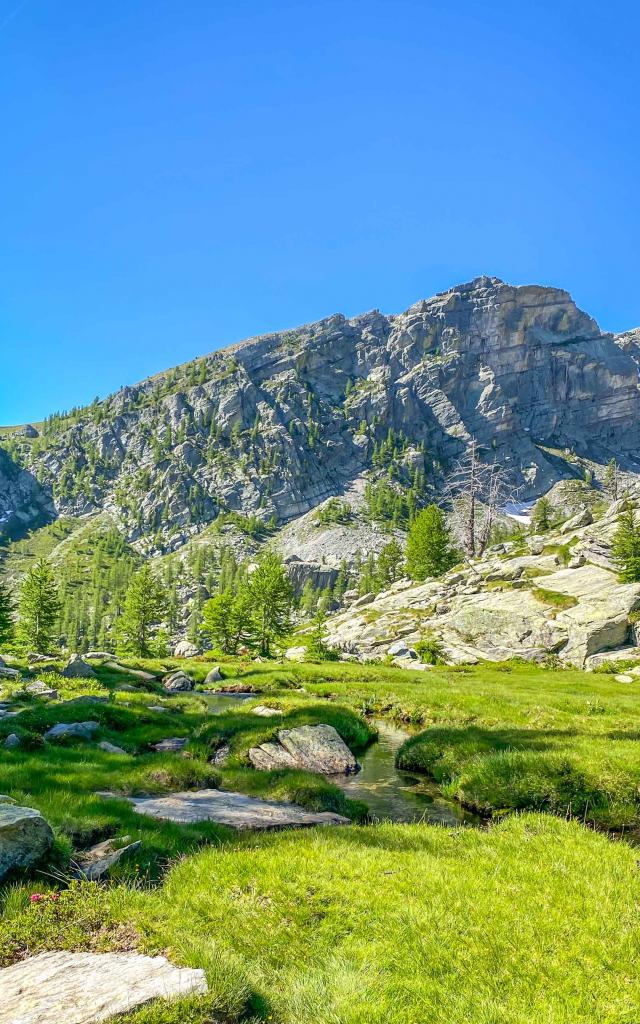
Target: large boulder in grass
[76, 668]
[87, 988]
[178, 682]
[9, 673]
[25, 837]
[214, 675]
[71, 730]
[185, 649]
[295, 653]
[314, 748]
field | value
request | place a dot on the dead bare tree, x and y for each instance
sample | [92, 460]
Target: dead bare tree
[476, 491]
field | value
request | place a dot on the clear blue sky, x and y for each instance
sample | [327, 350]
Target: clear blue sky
[177, 175]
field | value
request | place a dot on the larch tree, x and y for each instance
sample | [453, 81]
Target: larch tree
[6, 615]
[38, 608]
[429, 550]
[271, 596]
[145, 606]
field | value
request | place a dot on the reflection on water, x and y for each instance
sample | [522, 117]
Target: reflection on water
[393, 795]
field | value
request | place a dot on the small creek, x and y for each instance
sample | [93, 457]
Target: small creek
[394, 795]
[390, 794]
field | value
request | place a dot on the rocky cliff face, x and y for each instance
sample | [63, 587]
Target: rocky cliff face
[275, 425]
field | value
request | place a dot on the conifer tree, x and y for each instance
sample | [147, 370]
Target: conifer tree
[429, 551]
[625, 548]
[145, 605]
[38, 608]
[271, 597]
[226, 620]
[6, 616]
[541, 517]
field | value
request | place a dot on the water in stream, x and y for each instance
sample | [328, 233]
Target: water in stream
[393, 795]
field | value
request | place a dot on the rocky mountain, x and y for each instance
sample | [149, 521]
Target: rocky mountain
[274, 426]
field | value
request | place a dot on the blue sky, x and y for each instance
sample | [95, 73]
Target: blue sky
[176, 176]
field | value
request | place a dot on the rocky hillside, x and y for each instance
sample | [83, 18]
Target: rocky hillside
[272, 427]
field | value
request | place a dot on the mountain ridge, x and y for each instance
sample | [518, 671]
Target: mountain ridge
[275, 424]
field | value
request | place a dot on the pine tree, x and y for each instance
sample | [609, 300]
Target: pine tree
[145, 605]
[625, 548]
[610, 479]
[429, 551]
[541, 517]
[38, 608]
[6, 616]
[271, 597]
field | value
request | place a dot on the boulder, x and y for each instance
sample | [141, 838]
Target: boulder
[214, 675]
[314, 748]
[38, 659]
[9, 673]
[295, 653]
[88, 988]
[98, 656]
[40, 689]
[94, 863]
[581, 518]
[25, 837]
[178, 682]
[80, 730]
[362, 601]
[12, 741]
[76, 668]
[233, 809]
[398, 649]
[110, 748]
[185, 649]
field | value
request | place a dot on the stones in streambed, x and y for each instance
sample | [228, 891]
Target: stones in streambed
[87, 988]
[315, 748]
[171, 745]
[76, 668]
[94, 863]
[79, 730]
[233, 809]
[178, 682]
[25, 837]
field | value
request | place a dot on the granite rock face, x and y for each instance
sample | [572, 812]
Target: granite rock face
[277, 424]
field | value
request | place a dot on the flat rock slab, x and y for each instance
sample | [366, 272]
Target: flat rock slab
[80, 730]
[25, 836]
[234, 809]
[86, 988]
[266, 712]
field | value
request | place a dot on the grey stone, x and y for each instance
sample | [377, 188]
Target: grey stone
[178, 682]
[581, 518]
[80, 730]
[88, 988]
[25, 837]
[110, 748]
[40, 689]
[9, 673]
[12, 741]
[266, 712]
[171, 745]
[295, 653]
[185, 649]
[315, 748]
[234, 809]
[76, 668]
[214, 675]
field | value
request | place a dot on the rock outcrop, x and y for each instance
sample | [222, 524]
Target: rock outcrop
[233, 809]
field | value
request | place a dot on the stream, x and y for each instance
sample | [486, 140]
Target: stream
[394, 795]
[390, 794]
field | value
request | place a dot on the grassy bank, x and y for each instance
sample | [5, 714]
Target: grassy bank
[534, 920]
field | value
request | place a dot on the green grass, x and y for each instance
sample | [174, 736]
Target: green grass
[533, 920]
[554, 598]
[61, 778]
